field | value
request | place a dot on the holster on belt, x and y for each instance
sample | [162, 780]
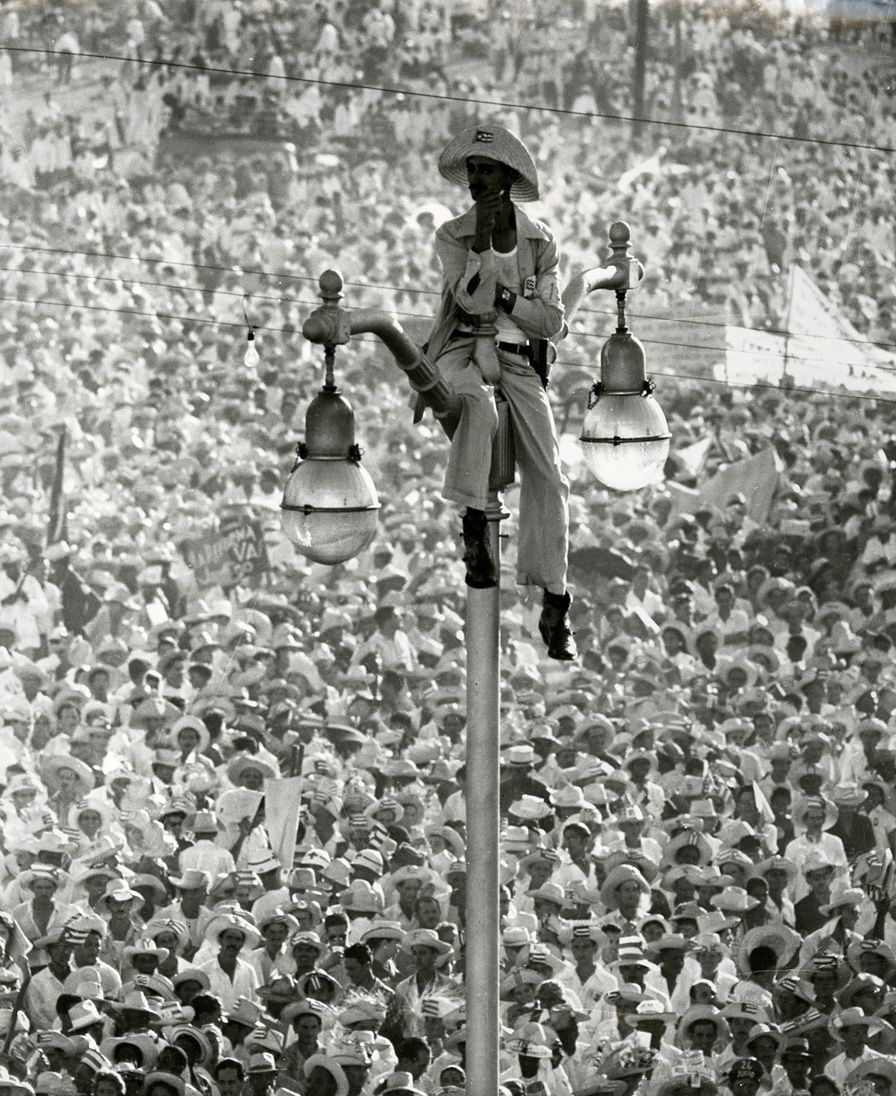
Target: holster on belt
[542, 359]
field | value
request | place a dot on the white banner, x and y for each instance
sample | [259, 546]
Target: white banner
[693, 456]
[756, 478]
[282, 803]
[825, 348]
[753, 356]
[821, 347]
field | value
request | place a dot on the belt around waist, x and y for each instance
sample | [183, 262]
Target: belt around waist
[522, 349]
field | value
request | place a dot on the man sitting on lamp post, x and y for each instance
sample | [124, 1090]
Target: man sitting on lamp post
[500, 268]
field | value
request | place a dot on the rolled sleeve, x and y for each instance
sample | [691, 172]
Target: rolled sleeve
[541, 316]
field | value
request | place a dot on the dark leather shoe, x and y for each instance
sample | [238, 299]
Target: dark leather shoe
[481, 572]
[554, 627]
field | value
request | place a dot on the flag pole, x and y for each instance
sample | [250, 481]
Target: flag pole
[785, 378]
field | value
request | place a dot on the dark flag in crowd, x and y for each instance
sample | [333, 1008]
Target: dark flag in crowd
[58, 525]
[80, 603]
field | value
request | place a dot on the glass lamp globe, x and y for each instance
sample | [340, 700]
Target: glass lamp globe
[330, 504]
[625, 436]
[625, 441]
[330, 509]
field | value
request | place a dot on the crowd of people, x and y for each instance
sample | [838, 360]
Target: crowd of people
[698, 816]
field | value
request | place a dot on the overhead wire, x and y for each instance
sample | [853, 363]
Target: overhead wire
[406, 92]
[289, 330]
[412, 290]
[158, 285]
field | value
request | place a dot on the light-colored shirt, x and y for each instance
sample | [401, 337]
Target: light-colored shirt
[839, 1068]
[803, 846]
[207, 856]
[41, 996]
[243, 984]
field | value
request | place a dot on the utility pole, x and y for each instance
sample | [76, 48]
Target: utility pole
[677, 98]
[641, 21]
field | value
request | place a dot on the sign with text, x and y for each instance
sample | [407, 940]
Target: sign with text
[234, 555]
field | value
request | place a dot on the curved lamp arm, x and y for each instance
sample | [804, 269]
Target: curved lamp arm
[622, 272]
[331, 325]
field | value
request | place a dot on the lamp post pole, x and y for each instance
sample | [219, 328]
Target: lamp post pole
[482, 930]
[625, 427]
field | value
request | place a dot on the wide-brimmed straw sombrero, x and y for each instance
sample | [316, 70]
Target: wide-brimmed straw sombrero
[497, 143]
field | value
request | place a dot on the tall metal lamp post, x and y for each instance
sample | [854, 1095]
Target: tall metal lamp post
[329, 513]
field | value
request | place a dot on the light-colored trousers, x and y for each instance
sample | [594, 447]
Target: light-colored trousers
[544, 490]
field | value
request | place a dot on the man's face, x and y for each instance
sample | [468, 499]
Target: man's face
[849, 915]
[407, 893]
[356, 1075]
[144, 964]
[68, 779]
[229, 1083]
[83, 1078]
[95, 886]
[825, 983]
[188, 739]
[429, 912]
[60, 953]
[336, 935]
[639, 770]
[671, 960]
[872, 962]
[253, 779]
[86, 954]
[43, 888]
[231, 942]
[486, 177]
[307, 1029]
[765, 1049]
[385, 950]
[424, 959]
[305, 955]
[780, 769]
[419, 1064]
[628, 892]
[796, 1067]
[574, 843]
[853, 1038]
[321, 1082]
[261, 1083]
[275, 934]
[354, 969]
[90, 822]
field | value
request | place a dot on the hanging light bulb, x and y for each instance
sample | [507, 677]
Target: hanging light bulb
[625, 436]
[251, 358]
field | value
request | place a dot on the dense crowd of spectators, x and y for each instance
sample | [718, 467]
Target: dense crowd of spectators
[699, 817]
